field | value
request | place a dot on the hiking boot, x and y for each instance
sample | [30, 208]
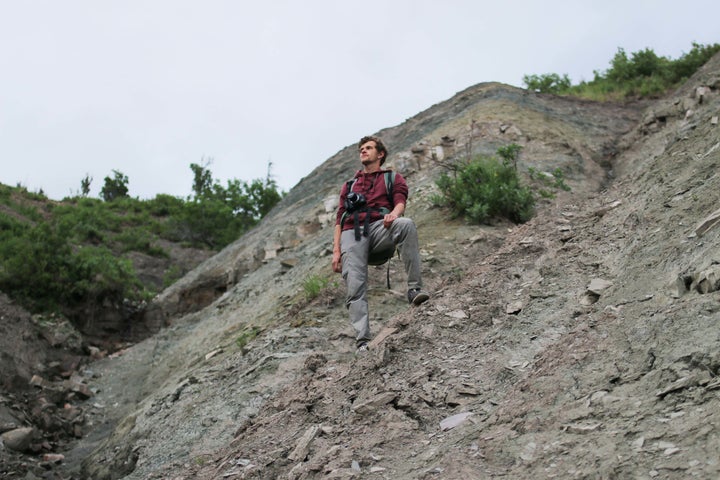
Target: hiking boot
[417, 296]
[361, 349]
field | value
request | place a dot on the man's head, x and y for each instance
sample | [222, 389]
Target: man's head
[372, 145]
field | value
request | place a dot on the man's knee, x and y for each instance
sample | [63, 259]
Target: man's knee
[404, 229]
[405, 224]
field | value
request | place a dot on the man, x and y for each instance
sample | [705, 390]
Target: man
[369, 222]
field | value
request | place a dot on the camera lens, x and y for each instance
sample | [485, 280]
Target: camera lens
[354, 201]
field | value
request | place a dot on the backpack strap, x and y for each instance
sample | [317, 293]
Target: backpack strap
[345, 214]
[389, 182]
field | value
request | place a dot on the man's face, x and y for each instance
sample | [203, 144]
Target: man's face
[369, 153]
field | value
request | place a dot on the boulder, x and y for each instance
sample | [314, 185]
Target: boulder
[19, 439]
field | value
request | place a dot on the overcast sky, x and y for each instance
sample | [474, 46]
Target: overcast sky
[148, 87]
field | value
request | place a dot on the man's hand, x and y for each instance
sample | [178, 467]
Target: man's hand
[337, 262]
[337, 252]
[392, 216]
[389, 219]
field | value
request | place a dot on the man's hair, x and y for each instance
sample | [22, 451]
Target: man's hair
[378, 144]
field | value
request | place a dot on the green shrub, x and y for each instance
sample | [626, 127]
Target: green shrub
[44, 272]
[99, 275]
[35, 266]
[88, 220]
[10, 226]
[209, 223]
[313, 285]
[165, 205]
[485, 188]
[544, 181]
[138, 240]
[5, 194]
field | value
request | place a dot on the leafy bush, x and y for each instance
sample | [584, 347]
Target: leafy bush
[209, 224]
[140, 241]
[164, 205]
[484, 188]
[34, 263]
[44, 272]
[5, 193]
[97, 275]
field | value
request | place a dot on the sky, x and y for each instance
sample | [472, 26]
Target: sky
[148, 87]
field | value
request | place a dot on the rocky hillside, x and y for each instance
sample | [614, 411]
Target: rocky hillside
[582, 344]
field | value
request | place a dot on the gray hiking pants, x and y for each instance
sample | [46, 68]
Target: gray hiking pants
[355, 253]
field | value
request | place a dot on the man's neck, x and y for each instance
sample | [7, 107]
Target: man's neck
[372, 168]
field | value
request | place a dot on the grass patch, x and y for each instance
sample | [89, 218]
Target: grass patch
[247, 336]
[313, 285]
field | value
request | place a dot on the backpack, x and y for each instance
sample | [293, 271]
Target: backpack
[383, 256]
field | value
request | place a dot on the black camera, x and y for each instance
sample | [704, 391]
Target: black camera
[355, 201]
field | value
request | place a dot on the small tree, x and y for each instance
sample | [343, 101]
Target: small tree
[548, 83]
[217, 215]
[202, 178]
[510, 154]
[116, 187]
[85, 185]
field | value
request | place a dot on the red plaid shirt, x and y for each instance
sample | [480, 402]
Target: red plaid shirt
[372, 185]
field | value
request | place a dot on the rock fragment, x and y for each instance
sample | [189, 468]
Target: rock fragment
[707, 223]
[457, 314]
[582, 428]
[455, 420]
[514, 308]
[374, 403]
[680, 384]
[303, 446]
[707, 281]
[597, 286]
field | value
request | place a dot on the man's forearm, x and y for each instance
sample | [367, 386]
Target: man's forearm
[336, 239]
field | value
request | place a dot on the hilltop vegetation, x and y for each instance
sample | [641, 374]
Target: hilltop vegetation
[57, 256]
[643, 74]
